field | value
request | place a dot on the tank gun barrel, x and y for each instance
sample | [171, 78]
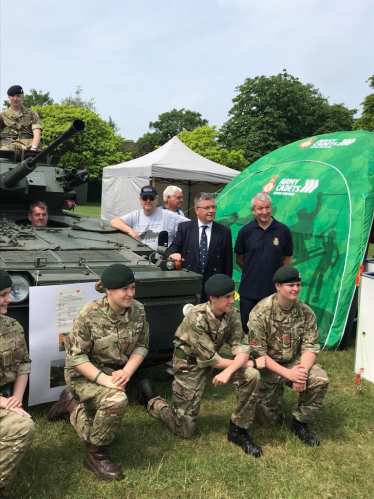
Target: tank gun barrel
[23, 169]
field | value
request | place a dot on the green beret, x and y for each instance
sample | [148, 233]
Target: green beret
[117, 276]
[286, 274]
[219, 285]
[5, 280]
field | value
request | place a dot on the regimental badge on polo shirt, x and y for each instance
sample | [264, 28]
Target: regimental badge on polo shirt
[276, 241]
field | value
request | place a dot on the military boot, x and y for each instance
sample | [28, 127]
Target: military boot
[146, 392]
[239, 436]
[97, 460]
[303, 432]
[65, 405]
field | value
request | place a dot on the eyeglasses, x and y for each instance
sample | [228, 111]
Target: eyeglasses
[148, 198]
[207, 208]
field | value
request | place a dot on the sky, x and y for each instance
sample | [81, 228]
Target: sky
[141, 58]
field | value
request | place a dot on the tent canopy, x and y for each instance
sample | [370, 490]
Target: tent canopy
[174, 162]
[323, 189]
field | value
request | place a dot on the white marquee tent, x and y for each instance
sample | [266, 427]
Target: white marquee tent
[172, 164]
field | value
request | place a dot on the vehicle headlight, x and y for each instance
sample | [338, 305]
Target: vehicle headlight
[20, 288]
[170, 264]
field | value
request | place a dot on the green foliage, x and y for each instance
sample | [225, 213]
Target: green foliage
[203, 140]
[366, 122]
[34, 98]
[270, 112]
[167, 126]
[78, 101]
[96, 147]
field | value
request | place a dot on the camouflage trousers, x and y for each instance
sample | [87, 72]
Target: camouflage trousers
[18, 146]
[270, 398]
[188, 386]
[16, 435]
[98, 417]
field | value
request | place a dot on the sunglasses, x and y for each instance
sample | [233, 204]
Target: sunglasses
[148, 198]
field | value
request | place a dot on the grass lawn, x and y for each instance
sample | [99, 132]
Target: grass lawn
[158, 464]
[89, 210]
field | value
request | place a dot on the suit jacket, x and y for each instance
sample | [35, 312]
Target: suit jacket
[219, 261]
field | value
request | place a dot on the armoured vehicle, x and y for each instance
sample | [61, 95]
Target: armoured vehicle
[76, 249]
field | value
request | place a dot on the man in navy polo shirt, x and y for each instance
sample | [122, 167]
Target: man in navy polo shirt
[262, 247]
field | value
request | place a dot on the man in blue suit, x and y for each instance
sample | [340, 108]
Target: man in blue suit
[204, 246]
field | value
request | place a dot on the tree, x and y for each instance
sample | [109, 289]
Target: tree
[203, 140]
[366, 122]
[270, 112]
[77, 100]
[167, 126]
[97, 146]
[34, 98]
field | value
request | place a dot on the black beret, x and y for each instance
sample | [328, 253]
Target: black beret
[286, 274]
[117, 276]
[148, 190]
[5, 280]
[15, 89]
[219, 285]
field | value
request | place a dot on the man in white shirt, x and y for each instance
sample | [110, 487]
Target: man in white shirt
[147, 223]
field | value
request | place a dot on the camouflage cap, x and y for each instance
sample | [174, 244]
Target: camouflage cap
[5, 280]
[15, 90]
[287, 274]
[117, 276]
[219, 285]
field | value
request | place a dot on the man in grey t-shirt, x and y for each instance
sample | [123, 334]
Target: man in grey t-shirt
[147, 223]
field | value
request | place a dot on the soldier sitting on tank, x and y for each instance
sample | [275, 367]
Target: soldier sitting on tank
[284, 329]
[38, 214]
[203, 332]
[24, 125]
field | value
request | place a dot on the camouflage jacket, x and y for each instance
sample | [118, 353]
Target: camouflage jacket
[283, 336]
[14, 357]
[105, 338]
[20, 125]
[201, 335]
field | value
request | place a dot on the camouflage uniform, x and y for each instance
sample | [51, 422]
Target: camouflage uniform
[106, 339]
[16, 432]
[285, 337]
[20, 127]
[197, 343]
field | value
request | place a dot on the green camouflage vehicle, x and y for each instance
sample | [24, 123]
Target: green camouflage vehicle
[77, 249]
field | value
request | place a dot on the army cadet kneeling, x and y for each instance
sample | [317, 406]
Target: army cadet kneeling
[16, 426]
[107, 344]
[197, 342]
[284, 329]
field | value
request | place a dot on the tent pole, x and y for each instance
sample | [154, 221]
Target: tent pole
[189, 196]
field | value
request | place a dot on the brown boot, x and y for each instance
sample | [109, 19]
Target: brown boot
[97, 460]
[65, 405]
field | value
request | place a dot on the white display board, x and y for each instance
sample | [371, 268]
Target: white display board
[52, 311]
[364, 358]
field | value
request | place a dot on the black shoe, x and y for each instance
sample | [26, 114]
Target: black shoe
[240, 437]
[146, 392]
[303, 432]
